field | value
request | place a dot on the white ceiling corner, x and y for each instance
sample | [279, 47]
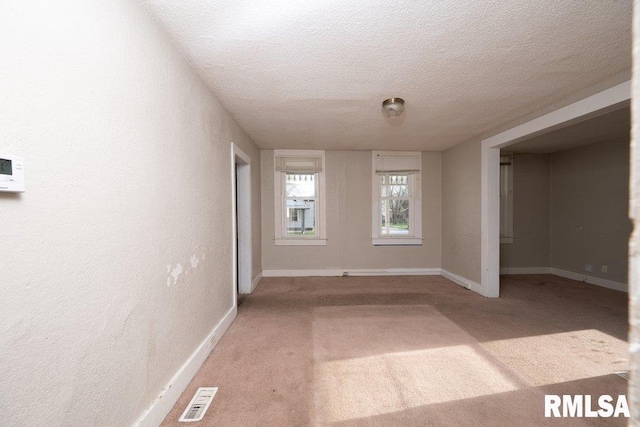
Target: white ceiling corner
[313, 73]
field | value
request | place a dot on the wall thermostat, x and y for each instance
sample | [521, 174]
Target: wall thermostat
[11, 173]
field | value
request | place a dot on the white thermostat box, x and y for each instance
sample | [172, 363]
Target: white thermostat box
[11, 173]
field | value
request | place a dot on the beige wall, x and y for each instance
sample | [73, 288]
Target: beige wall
[128, 175]
[571, 209]
[590, 209]
[531, 213]
[348, 184]
[461, 200]
[461, 210]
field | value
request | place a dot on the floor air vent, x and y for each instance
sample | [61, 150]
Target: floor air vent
[623, 374]
[198, 405]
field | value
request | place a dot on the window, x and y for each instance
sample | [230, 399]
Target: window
[300, 194]
[506, 198]
[299, 197]
[397, 198]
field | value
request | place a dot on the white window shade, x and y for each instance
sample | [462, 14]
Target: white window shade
[299, 164]
[397, 164]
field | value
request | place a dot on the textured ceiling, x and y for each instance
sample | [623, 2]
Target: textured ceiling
[313, 73]
[607, 127]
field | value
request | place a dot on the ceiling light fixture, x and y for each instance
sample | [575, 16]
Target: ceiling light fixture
[392, 107]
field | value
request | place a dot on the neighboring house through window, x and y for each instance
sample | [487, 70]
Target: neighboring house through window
[299, 191]
[397, 198]
[294, 215]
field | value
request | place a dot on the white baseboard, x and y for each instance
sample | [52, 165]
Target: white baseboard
[605, 283]
[598, 281]
[525, 270]
[255, 282]
[464, 282]
[353, 272]
[301, 273]
[162, 405]
[394, 272]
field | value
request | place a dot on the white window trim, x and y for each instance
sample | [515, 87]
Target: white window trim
[416, 205]
[281, 239]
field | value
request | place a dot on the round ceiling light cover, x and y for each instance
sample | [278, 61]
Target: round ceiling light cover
[392, 107]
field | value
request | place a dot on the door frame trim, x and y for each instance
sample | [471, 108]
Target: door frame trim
[241, 214]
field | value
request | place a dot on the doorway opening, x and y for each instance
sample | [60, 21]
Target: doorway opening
[596, 105]
[241, 201]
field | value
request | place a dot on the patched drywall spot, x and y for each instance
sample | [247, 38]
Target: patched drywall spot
[194, 261]
[175, 273]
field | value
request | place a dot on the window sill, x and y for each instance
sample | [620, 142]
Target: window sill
[397, 241]
[506, 240]
[301, 242]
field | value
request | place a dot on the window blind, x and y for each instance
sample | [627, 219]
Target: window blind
[397, 164]
[299, 164]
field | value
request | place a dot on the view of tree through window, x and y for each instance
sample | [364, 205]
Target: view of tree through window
[395, 204]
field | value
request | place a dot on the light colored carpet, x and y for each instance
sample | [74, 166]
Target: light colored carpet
[404, 351]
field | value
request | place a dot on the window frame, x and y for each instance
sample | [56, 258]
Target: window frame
[279, 180]
[415, 203]
[506, 197]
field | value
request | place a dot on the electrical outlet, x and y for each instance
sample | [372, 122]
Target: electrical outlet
[588, 267]
[605, 268]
